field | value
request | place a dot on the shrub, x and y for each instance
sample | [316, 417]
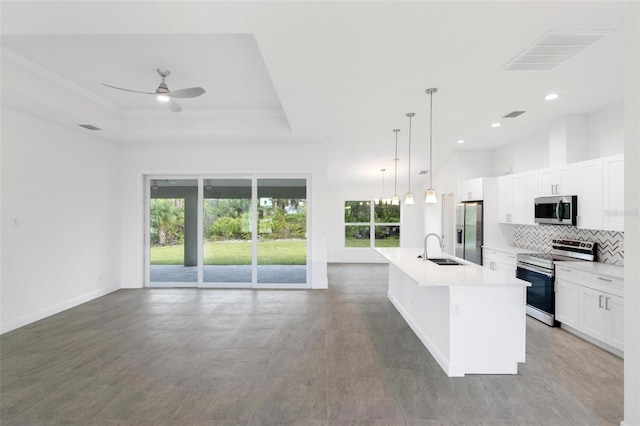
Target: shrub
[228, 228]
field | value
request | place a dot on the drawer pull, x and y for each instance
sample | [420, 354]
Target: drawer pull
[605, 279]
[606, 303]
[565, 269]
[600, 301]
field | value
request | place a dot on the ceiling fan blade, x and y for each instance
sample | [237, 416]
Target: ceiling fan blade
[191, 92]
[129, 90]
[174, 106]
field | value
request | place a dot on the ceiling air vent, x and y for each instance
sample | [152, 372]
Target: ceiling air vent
[89, 126]
[552, 49]
[514, 114]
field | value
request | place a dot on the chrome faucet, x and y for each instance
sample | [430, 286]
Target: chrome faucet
[424, 255]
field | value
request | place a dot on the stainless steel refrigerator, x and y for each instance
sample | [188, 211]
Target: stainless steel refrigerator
[469, 231]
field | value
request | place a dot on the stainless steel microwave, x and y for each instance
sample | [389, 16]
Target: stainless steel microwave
[556, 210]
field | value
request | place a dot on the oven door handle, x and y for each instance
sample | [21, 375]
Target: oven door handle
[532, 268]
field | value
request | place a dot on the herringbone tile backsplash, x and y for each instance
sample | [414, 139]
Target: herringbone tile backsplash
[610, 244]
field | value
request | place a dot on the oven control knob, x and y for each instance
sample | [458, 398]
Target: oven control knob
[554, 241]
[582, 244]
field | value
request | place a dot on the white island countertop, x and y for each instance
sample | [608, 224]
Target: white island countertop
[426, 273]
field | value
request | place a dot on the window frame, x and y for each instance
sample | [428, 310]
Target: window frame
[371, 224]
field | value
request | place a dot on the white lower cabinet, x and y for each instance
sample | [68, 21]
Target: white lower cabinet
[567, 303]
[592, 315]
[500, 261]
[615, 322]
[586, 303]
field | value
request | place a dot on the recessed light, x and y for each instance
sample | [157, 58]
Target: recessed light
[551, 97]
[460, 141]
[496, 124]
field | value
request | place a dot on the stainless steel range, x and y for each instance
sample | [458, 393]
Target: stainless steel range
[539, 270]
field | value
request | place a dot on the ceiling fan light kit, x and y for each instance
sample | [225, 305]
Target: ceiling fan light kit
[163, 94]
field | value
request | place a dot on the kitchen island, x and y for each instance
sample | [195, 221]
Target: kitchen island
[470, 318]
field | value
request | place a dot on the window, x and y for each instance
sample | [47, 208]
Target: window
[361, 217]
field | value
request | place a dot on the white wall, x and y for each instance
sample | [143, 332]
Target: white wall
[604, 137]
[529, 153]
[632, 221]
[61, 186]
[461, 166]
[224, 159]
[606, 131]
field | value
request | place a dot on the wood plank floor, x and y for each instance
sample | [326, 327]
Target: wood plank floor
[240, 357]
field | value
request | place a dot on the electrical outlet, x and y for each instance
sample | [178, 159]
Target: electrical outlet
[15, 222]
[457, 310]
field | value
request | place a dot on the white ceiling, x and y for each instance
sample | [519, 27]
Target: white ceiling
[343, 74]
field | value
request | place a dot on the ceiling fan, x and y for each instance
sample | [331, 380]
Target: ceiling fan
[164, 94]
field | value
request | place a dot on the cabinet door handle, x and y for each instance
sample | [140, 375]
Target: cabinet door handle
[605, 279]
[600, 301]
[606, 303]
[565, 269]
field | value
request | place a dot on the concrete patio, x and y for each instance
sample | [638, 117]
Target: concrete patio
[267, 274]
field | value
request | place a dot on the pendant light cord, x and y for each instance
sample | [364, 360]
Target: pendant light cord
[395, 160]
[410, 115]
[431, 136]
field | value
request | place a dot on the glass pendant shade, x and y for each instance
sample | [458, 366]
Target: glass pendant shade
[395, 201]
[408, 198]
[431, 197]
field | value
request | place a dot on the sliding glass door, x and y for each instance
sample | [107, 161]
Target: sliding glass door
[282, 231]
[227, 234]
[227, 231]
[173, 232]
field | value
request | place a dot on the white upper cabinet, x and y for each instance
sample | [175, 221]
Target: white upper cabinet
[505, 198]
[516, 195]
[559, 180]
[471, 190]
[601, 193]
[613, 193]
[531, 191]
[590, 206]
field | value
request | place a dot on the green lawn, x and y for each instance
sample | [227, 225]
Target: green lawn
[279, 252]
[364, 242]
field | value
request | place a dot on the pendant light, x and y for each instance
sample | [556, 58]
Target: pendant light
[395, 200]
[382, 200]
[431, 197]
[408, 198]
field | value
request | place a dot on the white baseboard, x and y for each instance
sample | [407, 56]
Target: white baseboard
[52, 310]
[593, 341]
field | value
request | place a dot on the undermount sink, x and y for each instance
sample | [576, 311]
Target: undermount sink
[443, 261]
